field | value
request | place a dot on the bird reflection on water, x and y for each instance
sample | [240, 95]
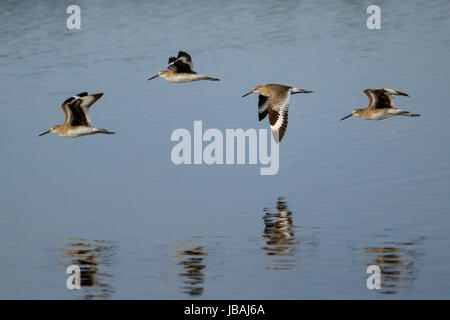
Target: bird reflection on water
[191, 259]
[91, 256]
[287, 244]
[397, 263]
[280, 238]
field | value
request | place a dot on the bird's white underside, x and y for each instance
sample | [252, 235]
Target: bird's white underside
[79, 131]
[186, 77]
[385, 113]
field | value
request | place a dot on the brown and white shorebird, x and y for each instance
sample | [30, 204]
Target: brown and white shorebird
[381, 105]
[181, 69]
[78, 121]
[274, 101]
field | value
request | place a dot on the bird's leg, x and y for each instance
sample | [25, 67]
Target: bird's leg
[408, 114]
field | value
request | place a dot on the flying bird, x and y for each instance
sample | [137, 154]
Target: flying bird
[381, 105]
[274, 101]
[181, 69]
[78, 121]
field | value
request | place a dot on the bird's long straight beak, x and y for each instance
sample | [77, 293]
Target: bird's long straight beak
[247, 94]
[155, 76]
[44, 133]
[351, 114]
